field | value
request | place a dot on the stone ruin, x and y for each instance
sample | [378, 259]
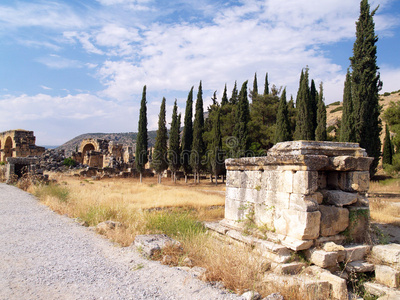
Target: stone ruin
[308, 199]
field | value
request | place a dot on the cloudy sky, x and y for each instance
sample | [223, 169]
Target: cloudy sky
[78, 66]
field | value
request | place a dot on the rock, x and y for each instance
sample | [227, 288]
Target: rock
[388, 254]
[322, 258]
[151, 243]
[333, 220]
[358, 252]
[251, 295]
[107, 225]
[298, 224]
[339, 198]
[188, 262]
[338, 285]
[387, 276]
[166, 260]
[290, 268]
[274, 296]
[381, 290]
[331, 246]
[359, 267]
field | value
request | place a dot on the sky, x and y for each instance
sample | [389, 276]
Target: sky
[79, 66]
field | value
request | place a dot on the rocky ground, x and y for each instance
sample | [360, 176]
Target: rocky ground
[48, 256]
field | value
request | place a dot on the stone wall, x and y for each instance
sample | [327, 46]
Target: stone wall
[302, 190]
[18, 143]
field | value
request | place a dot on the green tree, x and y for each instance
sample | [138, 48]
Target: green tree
[234, 98]
[187, 136]
[197, 152]
[320, 132]
[304, 128]
[224, 99]
[313, 107]
[266, 85]
[392, 117]
[141, 141]
[292, 116]
[387, 155]
[282, 132]
[160, 154]
[242, 119]
[215, 155]
[174, 142]
[366, 85]
[347, 130]
[254, 92]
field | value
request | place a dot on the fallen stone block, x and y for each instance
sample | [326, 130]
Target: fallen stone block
[338, 285]
[359, 267]
[358, 252]
[292, 268]
[388, 254]
[380, 290]
[387, 276]
[149, 244]
[339, 198]
[322, 258]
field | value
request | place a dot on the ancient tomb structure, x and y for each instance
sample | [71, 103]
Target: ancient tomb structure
[18, 143]
[100, 153]
[303, 193]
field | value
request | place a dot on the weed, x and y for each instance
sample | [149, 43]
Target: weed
[137, 267]
[53, 190]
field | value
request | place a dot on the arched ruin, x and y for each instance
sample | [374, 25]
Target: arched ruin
[18, 143]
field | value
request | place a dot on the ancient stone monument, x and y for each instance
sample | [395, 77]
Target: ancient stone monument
[302, 192]
[18, 143]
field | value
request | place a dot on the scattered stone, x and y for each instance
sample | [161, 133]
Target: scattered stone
[166, 260]
[359, 267]
[251, 295]
[387, 276]
[188, 262]
[380, 290]
[151, 243]
[274, 296]
[388, 254]
[198, 272]
[358, 252]
[322, 258]
[290, 268]
[331, 246]
[107, 225]
[338, 285]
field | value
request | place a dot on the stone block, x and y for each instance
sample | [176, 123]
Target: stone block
[298, 224]
[333, 220]
[273, 251]
[305, 182]
[149, 244]
[277, 180]
[264, 215]
[244, 194]
[387, 276]
[338, 285]
[292, 268]
[279, 200]
[302, 202]
[359, 266]
[358, 252]
[377, 289]
[237, 210]
[349, 163]
[339, 198]
[322, 258]
[338, 239]
[357, 231]
[388, 254]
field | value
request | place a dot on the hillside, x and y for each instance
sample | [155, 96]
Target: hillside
[125, 138]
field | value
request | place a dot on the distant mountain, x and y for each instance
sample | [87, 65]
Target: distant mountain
[125, 138]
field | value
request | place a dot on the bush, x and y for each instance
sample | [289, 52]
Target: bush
[386, 94]
[334, 103]
[394, 168]
[339, 108]
[69, 162]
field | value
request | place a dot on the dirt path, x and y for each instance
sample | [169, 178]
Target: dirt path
[47, 256]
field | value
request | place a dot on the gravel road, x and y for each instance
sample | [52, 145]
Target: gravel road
[47, 256]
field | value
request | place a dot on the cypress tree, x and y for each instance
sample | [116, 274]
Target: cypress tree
[387, 156]
[187, 136]
[234, 98]
[160, 160]
[198, 129]
[174, 142]
[347, 133]
[141, 142]
[216, 155]
[266, 85]
[242, 119]
[320, 132]
[304, 129]
[224, 99]
[282, 132]
[254, 92]
[366, 85]
[313, 107]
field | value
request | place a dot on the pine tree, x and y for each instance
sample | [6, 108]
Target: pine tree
[141, 141]
[242, 119]
[224, 99]
[347, 133]
[198, 143]
[254, 92]
[160, 160]
[266, 85]
[234, 98]
[174, 142]
[387, 156]
[304, 129]
[366, 85]
[187, 136]
[282, 132]
[320, 132]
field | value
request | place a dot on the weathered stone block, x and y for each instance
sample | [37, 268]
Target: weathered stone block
[237, 210]
[338, 285]
[292, 268]
[244, 194]
[278, 200]
[359, 266]
[358, 252]
[339, 198]
[349, 163]
[358, 226]
[305, 182]
[333, 220]
[387, 276]
[349, 181]
[302, 202]
[264, 215]
[150, 243]
[388, 254]
[380, 290]
[322, 258]
[298, 224]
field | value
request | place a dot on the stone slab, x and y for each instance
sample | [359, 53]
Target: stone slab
[297, 224]
[338, 285]
[339, 198]
[333, 220]
[380, 290]
[387, 276]
[322, 258]
[359, 267]
[354, 253]
[388, 254]
[149, 244]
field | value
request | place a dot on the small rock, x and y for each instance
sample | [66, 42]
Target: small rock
[274, 296]
[188, 262]
[251, 295]
[166, 260]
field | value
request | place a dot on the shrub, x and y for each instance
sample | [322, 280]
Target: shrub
[53, 190]
[386, 94]
[394, 168]
[339, 108]
[69, 162]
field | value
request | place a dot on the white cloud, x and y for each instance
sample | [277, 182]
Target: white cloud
[391, 78]
[57, 62]
[45, 87]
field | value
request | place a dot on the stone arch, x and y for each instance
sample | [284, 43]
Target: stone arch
[88, 147]
[8, 148]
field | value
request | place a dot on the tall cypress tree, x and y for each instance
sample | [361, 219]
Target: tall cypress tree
[366, 85]
[313, 107]
[234, 98]
[160, 160]
[347, 130]
[141, 141]
[254, 92]
[242, 119]
[216, 155]
[224, 99]
[187, 136]
[304, 129]
[320, 132]
[387, 156]
[266, 85]
[174, 142]
[198, 129]
[282, 132]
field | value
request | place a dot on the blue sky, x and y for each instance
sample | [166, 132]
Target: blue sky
[79, 66]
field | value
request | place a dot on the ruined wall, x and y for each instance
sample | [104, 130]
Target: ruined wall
[18, 143]
[302, 190]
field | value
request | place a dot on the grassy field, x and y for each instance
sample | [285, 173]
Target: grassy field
[177, 209]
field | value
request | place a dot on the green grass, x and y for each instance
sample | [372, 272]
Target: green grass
[53, 190]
